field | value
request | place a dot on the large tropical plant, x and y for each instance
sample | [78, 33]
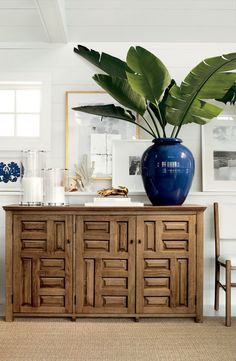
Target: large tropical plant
[142, 85]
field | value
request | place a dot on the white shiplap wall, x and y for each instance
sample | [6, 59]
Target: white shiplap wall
[20, 21]
[122, 20]
[151, 20]
[70, 72]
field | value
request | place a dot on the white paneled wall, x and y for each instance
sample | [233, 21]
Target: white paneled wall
[20, 21]
[122, 20]
[152, 20]
[70, 72]
[151, 4]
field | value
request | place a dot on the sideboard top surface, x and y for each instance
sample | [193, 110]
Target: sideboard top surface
[82, 208]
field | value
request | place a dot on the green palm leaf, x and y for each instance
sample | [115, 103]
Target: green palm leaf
[109, 110]
[150, 77]
[230, 96]
[210, 79]
[121, 91]
[112, 111]
[108, 63]
[160, 115]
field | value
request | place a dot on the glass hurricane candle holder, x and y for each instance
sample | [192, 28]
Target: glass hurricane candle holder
[56, 183]
[32, 164]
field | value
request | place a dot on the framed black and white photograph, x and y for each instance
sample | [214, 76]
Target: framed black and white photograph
[134, 165]
[126, 167]
[91, 135]
[219, 154]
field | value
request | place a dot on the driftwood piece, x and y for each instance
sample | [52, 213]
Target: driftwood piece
[119, 191]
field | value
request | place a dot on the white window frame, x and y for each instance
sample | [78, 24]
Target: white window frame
[20, 80]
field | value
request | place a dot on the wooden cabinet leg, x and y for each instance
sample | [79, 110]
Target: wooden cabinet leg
[8, 313]
[136, 319]
[199, 319]
[9, 317]
[73, 318]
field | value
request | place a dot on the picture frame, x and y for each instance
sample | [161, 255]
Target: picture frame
[126, 163]
[87, 134]
[10, 170]
[219, 154]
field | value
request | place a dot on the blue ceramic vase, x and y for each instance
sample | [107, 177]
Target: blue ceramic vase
[167, 169]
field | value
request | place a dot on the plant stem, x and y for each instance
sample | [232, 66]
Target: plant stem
[173, 131]
[178, 129]
[145, 129]
[161, 120]
[164, 132]
[154, 122]
[151, 127]
[160, 116]
[140, 126]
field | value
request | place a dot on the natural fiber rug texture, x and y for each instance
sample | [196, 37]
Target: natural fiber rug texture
[117, 340]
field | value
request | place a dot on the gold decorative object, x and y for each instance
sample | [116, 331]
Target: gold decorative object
[119, 191]
[83, 176]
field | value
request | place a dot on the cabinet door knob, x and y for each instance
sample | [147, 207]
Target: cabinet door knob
[131, 241]
[139, 241]
[68, 241]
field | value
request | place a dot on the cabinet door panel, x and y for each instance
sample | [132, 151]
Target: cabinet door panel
[166, 264]
[105, 269]
[43, 264]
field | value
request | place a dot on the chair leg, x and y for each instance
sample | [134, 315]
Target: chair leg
[217, 287]
[228, 294]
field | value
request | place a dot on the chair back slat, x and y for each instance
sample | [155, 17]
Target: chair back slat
[217, 229]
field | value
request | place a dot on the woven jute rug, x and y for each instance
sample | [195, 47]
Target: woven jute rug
[117, 340]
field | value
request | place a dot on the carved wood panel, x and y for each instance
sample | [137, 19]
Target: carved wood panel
[105, 264]
[43, 264]
[166, 265]
[145, 260]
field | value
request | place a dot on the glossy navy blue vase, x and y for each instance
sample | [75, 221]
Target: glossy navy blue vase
[167, 169]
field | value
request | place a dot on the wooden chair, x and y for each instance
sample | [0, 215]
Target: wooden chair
[223, 216]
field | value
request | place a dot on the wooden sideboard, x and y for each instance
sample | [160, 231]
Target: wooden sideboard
[79, 261]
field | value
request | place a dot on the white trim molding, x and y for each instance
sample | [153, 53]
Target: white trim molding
[52, 16]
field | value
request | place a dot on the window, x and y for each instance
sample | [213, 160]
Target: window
[25, 111]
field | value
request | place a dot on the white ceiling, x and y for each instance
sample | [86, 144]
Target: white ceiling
[53, 21]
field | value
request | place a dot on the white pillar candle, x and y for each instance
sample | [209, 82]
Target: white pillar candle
[32, 189]
[55, 183]
[58, 195]
[55, 195]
